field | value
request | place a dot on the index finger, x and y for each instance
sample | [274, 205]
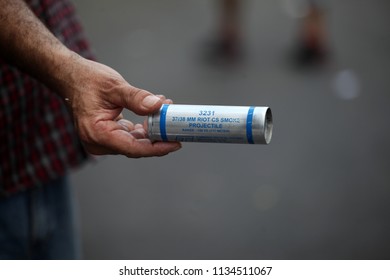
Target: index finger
[120, 141]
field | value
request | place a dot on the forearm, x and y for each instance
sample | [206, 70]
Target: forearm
[28, 44]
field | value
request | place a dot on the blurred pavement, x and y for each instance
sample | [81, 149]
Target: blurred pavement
[320, 190]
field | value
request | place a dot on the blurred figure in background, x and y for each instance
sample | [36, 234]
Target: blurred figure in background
[311, 49]
[227, 46]
[311, 43]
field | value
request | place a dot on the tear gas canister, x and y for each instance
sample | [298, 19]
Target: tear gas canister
[211, 123]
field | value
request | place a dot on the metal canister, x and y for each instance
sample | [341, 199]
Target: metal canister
[211, 123]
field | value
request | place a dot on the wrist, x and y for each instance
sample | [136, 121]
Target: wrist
[64, 72]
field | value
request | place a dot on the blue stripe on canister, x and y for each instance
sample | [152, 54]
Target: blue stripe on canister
[249, 121]
[163, 121]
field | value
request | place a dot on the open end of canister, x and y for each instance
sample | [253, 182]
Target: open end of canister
[268, 125]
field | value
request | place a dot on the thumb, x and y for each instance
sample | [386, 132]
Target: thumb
[140, 101]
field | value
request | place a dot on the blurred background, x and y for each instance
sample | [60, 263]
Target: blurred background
[320, 190]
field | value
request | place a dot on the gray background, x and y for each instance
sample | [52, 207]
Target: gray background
[320, 190]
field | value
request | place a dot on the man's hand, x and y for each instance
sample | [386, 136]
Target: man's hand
[97, 95]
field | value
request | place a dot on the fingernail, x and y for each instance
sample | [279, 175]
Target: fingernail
[178, 147]
[124, 124]
[150, 100]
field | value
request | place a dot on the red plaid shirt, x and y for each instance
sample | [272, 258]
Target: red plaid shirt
[37, 138]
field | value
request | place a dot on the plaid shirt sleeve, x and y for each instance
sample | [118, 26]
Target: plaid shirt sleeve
[38, 142]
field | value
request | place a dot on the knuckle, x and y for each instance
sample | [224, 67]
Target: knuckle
[111, 83]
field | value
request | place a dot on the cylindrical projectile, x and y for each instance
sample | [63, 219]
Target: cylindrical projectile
[211, 123]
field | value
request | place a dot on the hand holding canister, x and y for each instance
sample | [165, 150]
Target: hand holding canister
[211, 123]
